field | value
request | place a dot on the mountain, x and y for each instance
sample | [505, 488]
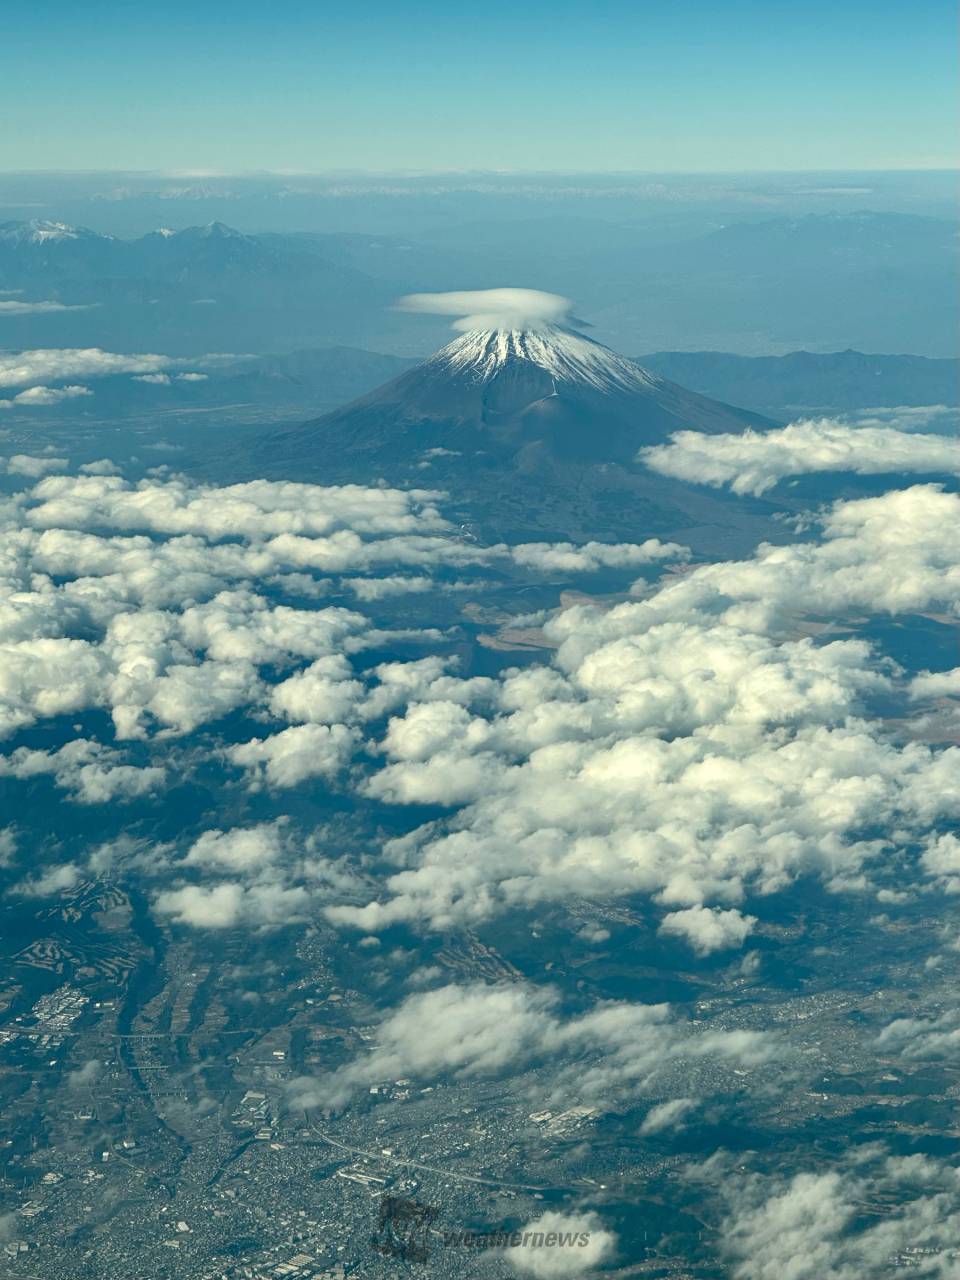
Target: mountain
[807, 382]
[873, 280]
[536, 431]
[209, 288]
[44, 231]
[518, 395]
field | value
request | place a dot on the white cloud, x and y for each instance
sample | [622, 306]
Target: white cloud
[21, 308]
[173, 635]
[49, 395]
[480, 1031]
[708, 930]
[257, 510]
[568, 557]
[102, 467]
[936, 684]
[844, 1223]
[923, 1038]
[323, 693]
[47, 677]
[89, 771]
[685, 746]
[370, 589]
[755, 461]
[492, 308]
[25, 464]
[231, 904]
[54, 364]
[240, 849]
[668, 1115]
[562, 1244]
[941, 859]
[59, 879]
[905, 417]
[896, 553]
[288, 758]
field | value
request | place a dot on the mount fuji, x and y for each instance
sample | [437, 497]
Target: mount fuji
[532, 429]
[520, 396]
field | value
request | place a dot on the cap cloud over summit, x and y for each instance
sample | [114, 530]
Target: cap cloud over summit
[493, 308]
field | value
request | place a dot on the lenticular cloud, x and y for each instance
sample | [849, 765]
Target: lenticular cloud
[492, 308]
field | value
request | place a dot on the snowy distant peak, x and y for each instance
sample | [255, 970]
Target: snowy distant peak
[42, 231]
[568, 357]
[210, 232]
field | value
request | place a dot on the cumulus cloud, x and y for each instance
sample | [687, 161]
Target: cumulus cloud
[708, 930]
[755, 461]
[936, 684]
[288, 758]
[156, 579]
[54, 880]
[32, 466]
[90, 772]
[259, 509]
[370, 589]
[819, 1224]
[54, 364]
[479, 1031]
[941, 859]
[50, 395]
[685, 745]
[240, 849]
[923, 1038]
[493, 308]
[232, 904]
[667, 1115]
[567, 557]
[257, 876]
[896, 553]
[323, 693]
[101, 467]
[562, 1244]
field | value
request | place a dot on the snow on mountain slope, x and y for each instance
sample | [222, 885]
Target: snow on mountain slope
[568, 357]
[44, 230]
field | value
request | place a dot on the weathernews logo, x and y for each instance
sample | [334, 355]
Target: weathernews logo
[405, 1228]
[516, 1239]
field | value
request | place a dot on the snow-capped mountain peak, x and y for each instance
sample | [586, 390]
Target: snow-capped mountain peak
[568, 357]
[45, 231]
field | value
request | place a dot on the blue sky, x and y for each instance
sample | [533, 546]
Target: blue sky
[678, 85]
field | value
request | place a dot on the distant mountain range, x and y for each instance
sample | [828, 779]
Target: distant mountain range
[869, 280]
[805, 382]
[200, 289]
[299, 384]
